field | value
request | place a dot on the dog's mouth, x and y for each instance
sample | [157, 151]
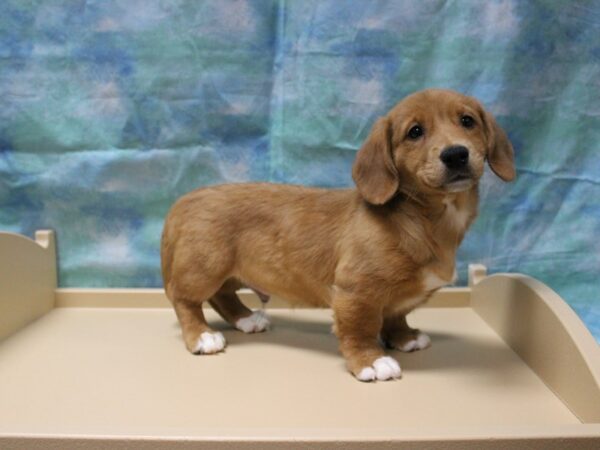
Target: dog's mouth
[459, 181]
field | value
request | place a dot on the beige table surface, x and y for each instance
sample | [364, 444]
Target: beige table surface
[102, 371]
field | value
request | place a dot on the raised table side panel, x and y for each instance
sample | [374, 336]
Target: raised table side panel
[453, 297]
[547, 334]
[27, 279]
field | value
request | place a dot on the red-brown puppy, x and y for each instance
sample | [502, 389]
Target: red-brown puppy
[372, 254]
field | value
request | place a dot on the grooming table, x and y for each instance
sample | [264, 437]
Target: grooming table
[510, 365]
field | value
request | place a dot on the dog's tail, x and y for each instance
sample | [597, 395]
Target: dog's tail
[166, 254]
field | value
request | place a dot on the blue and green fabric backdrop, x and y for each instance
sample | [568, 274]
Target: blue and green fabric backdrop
[109, 110]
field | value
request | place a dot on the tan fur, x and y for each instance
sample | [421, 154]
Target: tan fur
[372, 253]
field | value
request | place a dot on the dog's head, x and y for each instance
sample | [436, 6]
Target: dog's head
[433, 141]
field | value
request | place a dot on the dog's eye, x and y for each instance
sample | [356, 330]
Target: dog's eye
[467, 121]
[415, 132]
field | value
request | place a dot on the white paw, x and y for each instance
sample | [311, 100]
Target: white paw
[210, 343]
[384, 368]
[254, 323]
[421, 342]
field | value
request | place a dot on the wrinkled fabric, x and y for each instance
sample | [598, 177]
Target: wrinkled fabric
[110, 110]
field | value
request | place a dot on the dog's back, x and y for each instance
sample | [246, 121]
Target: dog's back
[290, 233]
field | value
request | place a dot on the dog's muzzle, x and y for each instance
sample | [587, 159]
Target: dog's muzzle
[456, 160]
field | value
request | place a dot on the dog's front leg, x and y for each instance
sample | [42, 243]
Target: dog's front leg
[357, 326]
[397, 334]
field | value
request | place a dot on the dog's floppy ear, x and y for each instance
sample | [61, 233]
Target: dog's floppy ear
[500, 154]
[374, 172]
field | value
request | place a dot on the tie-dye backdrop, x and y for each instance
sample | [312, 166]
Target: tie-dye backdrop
[112, 109]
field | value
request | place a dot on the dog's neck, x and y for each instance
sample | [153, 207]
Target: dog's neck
[434, 203]
[449, 211]
[454, 209]
[445, 216]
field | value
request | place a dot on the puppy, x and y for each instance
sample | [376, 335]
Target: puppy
[372, 254]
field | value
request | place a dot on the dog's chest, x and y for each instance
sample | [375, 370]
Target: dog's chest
[441, 271]
[456, 215]
[433, 279]
[428, 279]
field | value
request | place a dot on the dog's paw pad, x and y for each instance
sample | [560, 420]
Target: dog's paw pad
[210, 343]
[254, 323]
[384, 368]
[420, 342]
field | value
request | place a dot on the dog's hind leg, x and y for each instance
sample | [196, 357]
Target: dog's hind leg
[187, 299]
[198, 336]
[229, 306]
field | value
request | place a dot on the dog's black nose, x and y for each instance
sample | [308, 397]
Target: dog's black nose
[455, 157]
